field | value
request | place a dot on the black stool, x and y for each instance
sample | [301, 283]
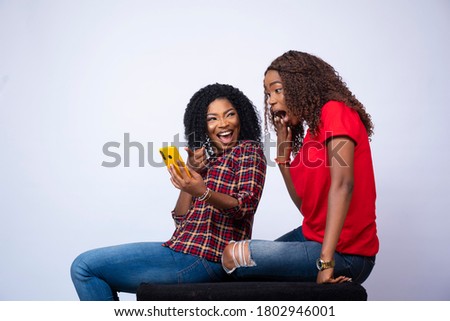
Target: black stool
[252, 291]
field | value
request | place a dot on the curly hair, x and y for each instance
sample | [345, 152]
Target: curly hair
[195, 115]
[309, 83]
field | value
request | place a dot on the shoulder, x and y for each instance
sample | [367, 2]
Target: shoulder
[248, 151]
[335, 108]
[247, 146]
[338, 119]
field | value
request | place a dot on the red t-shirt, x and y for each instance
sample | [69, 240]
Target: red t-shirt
[311, 178]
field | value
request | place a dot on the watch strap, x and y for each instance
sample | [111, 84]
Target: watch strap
[323, 265]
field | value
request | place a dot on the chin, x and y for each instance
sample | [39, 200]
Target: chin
[222, 147]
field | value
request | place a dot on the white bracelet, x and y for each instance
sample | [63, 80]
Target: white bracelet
[205, 195]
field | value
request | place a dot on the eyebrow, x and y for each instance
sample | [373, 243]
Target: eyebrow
[227, 111]
[273, 83]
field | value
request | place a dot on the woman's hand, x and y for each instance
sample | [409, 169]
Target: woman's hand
[284, 150]
[284, 139]
[196, 159]
[327, 276]
[193, 185]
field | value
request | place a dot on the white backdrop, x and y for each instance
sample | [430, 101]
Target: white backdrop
[75, 75]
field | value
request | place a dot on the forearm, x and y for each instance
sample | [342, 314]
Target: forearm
[339, 198]
[285, 172]
[183, 203]
[222, 201]
[339, 194]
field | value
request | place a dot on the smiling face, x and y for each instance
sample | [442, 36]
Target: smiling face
[222, 123]
[274, 91]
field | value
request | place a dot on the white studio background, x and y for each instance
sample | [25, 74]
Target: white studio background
[75, 75]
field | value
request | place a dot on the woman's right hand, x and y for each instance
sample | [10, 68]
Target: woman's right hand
[284, 139]
[196, 159]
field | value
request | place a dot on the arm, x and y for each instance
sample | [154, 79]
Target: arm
[250, 167]
[250, 178]
[183, 204]
[284, 149]
[222, 201]
[197, 163]
[195, 186]
[339, 197]
[286, 173]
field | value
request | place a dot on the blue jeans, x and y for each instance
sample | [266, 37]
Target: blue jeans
[293, 258]
[100, 273]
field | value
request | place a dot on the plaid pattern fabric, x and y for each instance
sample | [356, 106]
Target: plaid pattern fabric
[205, 230]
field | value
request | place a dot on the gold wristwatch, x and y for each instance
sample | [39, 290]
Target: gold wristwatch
[323, 265]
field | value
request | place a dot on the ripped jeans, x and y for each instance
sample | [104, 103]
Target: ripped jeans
[293, 258]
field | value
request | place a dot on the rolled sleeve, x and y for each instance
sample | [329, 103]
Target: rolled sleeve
[177, 219]
[250, 168]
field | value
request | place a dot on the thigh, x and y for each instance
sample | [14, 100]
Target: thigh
[282, 261]
[194, 269]
[126, 266]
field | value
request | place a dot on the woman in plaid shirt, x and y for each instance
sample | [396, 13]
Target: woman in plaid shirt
[216, 204]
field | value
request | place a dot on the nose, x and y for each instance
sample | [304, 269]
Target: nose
[271, 100]
[223, 122]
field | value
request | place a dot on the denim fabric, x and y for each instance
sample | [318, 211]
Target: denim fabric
[100, 273]
[293, 258]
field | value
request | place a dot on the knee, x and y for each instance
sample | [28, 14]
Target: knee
[235, 255]
[227, 257]
[79, 268]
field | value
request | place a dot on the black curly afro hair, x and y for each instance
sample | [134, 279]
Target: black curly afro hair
[195, 114]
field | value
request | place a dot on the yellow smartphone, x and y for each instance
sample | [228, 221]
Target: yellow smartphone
[170, 156]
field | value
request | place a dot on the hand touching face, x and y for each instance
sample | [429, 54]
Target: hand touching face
[274, 92]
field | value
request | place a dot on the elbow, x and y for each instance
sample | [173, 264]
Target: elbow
[344, 187]
[348, 187]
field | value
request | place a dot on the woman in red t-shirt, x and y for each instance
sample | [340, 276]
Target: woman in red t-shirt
[330, 178]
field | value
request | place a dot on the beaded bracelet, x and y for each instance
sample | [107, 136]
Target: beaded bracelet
[285, 162]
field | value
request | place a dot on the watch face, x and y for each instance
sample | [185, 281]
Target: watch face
[319, 264]
[322, 265]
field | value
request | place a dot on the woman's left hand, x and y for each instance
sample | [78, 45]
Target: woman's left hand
[193, 185]
[327, 276]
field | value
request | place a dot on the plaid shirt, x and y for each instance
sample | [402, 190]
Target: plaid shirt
[205, 230]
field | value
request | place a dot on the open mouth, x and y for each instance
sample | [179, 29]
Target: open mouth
[279, 113]
[225, 137]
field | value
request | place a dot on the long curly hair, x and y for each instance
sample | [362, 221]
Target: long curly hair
[195, 114]
[309, 83]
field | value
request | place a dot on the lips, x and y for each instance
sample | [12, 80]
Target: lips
[225, 137]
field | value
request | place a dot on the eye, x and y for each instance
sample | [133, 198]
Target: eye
[210, 118]
[231, 114]
[278, 90]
